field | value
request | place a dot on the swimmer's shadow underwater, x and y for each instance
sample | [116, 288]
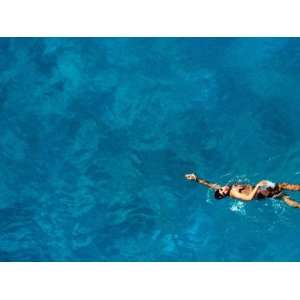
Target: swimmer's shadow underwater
[264, 189]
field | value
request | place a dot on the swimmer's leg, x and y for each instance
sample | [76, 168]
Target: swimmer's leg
[289, 187]
[289, 201]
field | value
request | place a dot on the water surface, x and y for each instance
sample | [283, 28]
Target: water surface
[96, 135]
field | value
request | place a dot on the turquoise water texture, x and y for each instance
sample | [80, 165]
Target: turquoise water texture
[96, 135]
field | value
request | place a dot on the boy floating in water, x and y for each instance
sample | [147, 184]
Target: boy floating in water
[246, 192]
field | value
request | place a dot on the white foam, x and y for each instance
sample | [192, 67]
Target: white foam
[269, 184]
[208, 198]
[227, 174]
[238, 207]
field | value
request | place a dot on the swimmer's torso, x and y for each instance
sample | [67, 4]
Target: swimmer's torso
[237, 189]
[246, 189]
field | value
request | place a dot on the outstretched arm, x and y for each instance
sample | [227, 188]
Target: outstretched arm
[204, 182]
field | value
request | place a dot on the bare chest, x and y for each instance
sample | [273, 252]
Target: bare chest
[244, 189]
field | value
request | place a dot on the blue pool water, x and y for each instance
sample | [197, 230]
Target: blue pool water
[97, 134]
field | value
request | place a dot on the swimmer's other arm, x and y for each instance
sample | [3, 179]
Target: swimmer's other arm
[204, 182]
[251, 195]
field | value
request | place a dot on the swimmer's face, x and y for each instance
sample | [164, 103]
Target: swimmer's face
[224, 190]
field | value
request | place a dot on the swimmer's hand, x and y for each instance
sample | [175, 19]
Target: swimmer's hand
[191, 176]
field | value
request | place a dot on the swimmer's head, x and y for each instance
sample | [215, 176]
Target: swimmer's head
[222, 192]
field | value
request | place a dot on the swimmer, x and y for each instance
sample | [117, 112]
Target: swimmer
[247, 192]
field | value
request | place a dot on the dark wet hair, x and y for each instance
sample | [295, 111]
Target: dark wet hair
[218, 195]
